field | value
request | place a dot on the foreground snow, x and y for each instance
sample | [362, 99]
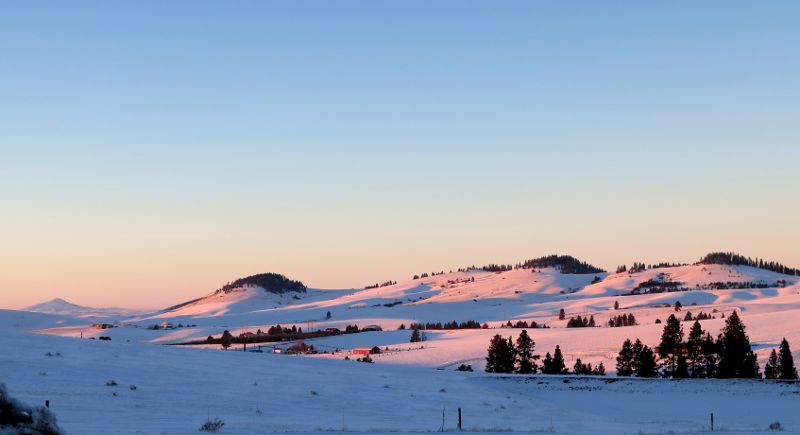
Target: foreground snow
[178, 388]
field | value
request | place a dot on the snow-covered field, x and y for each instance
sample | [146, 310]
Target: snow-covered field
[179, 388]
[410, 385]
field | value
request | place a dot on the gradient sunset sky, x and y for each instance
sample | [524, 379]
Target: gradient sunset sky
[152, 151]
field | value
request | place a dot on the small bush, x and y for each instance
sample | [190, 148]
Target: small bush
[111, 383]
[776, 426]
[133, 387]
[212, 426]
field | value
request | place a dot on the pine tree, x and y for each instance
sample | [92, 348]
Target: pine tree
[547, 364]
[625, 359]
[579, 368]
[671, 346]
[771, 368]
[678, 306]
[616, 305]
[737, 359]
[600, 370]
[525, 346]
[558, 366]
[591, 322]
[415, 336]
[646, 363]
[226, 339]
[500, 358]
[681, 369]
[786, 369]
[694, 348]
[562, 314]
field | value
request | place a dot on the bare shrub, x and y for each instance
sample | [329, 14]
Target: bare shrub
[212, 426]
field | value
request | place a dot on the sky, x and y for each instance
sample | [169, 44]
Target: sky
[152, 151]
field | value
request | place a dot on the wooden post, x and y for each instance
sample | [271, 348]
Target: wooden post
[459, 418]
[712, 422]
[47, 404]
[442, 420]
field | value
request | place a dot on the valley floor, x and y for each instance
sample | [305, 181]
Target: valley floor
[179, 388]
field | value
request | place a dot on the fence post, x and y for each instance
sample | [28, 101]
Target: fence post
[459, 418]
[47, 404]
[712, 422]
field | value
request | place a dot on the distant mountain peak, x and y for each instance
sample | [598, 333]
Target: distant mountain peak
[65, 308]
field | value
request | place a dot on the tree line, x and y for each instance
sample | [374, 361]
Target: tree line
[509, 356]
[271, 282]
[734, 259]
[699, 355]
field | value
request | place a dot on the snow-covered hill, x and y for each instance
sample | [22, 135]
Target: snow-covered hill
[64, 308]
[769, 304]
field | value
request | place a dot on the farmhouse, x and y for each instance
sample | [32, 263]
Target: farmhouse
[367, 350]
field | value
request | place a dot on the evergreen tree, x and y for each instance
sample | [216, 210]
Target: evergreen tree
[771, 368]
[562, 314]
[786, 369]
[558, 366]
[500, 358]
[591, 322]
[710, 357]
[625, 359]
[226, 339]
[547, 364]
[579, 368]
[737, 359]
[616, 305]
[678, 306]
[681, 369]
[646, 363]
[600, 370]
[415, 336]
[694, 349]
[525, 346]
[671, 346]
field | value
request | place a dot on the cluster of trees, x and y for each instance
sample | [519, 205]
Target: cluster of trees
[636, 359]
[586, 369]
[700, 355]
[508, 356]
[383, 284]
[730, 285]
[497, 267]
[278, 330]
[426, 275]
[702, 316]
[469, 324]
[780, 365]
[271, 282]
[417, 335]
[733, 259]
[622, 320]
[657, 286]
[581, 322]
[641, 267]
[524, 324]
[565, 263]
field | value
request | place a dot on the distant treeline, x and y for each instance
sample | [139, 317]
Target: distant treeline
[469, 324]
[524, 324]
[271, 282]
[641, 267]
[383, 284]
[733, 259]
[565, 263]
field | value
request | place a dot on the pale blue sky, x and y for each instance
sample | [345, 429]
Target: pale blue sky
[152, 151]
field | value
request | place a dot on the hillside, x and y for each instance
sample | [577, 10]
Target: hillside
[64, 308]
